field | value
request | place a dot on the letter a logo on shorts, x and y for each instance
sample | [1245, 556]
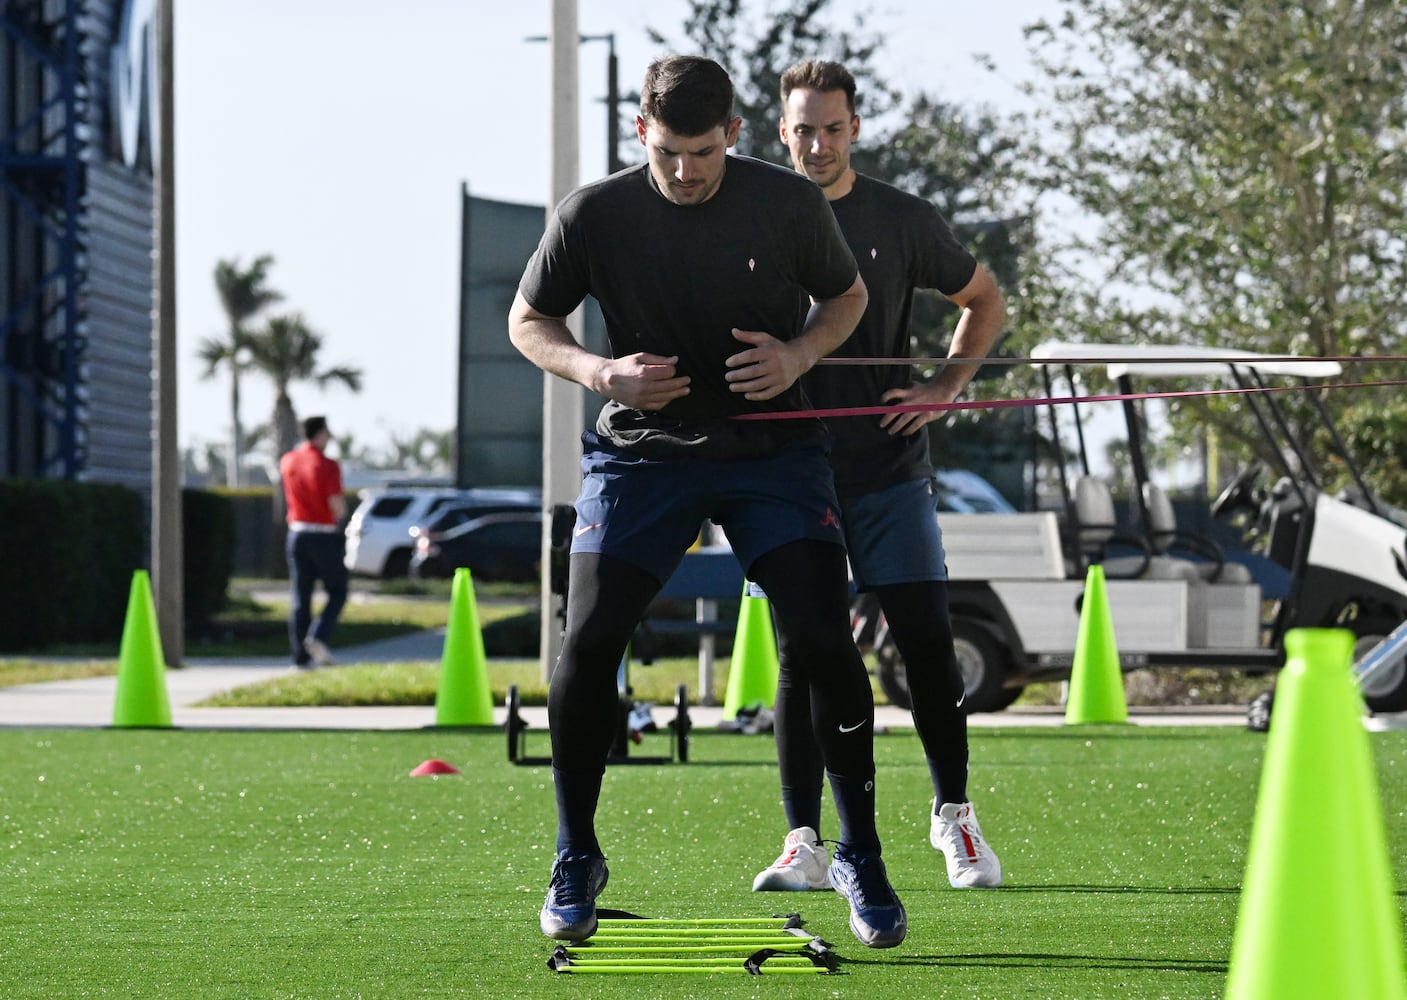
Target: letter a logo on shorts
[829, 521]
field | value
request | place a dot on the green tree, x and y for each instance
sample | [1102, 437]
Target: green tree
[244, 293]
[286, 351]
[965, 161]
[426, 452]
[1373, 434]
[755, 46]
[1241, 169]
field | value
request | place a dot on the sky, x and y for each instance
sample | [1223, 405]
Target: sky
[335, 136]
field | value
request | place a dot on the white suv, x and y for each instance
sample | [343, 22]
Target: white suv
[379, 542]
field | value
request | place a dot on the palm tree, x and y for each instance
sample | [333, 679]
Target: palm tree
[243, 295]
[286, 350]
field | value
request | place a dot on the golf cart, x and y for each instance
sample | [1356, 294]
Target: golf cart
[1176, 600]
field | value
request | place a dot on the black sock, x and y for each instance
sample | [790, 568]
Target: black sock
[802, 807]
[949, 781]
[577, 794]
[854, 802]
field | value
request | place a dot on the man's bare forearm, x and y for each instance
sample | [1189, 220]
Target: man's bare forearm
[830, 322]
[547, 342]
[977, 329]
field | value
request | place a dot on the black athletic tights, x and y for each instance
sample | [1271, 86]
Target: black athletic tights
[805, 585]
[917, 614]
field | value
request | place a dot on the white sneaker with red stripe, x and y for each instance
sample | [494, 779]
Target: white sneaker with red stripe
[971, 863]
[802, 866]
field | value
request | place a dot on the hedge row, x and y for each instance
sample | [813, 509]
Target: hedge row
[68, 551]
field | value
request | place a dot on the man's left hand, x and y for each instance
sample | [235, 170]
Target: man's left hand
[766, 369]
[921, 393]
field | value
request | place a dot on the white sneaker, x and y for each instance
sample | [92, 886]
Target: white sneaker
[802, 867]
[971, 863]
[318, 650]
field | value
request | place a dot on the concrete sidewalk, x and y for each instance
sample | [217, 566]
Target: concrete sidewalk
[88, 702]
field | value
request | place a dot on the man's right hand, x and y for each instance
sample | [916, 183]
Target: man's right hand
[640, 381]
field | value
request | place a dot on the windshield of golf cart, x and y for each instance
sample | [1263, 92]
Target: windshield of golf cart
[1212, 368]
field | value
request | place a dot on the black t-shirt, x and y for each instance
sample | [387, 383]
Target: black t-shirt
[901, 243]
[675, 279]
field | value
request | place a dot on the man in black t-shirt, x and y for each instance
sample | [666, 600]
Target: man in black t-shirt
[697, 260]
[884, 476]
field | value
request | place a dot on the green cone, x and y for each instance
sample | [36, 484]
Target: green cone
[1096, 682]
[752, 676]
[464, 697]
[1318, 915]
[141, 700]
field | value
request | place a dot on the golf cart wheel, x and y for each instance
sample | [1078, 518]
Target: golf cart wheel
[682, 723]
[513, 724]
[980, 661]
[1007, 698]
[1386, 690]
[983, 668]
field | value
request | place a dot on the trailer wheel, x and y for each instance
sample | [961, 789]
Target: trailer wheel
[980, 661]
[1386, 691]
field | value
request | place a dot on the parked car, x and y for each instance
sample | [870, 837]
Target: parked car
[503, 545]
[963, 492]
[379, 542]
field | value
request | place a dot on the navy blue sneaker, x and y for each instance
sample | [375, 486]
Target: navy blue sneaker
[877, 917]
[569, 914]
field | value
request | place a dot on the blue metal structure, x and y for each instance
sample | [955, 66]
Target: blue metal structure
[45, 118]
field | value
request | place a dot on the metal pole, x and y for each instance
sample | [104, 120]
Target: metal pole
[612, 106]
[562, 401]
[613, 95]
[167, 557]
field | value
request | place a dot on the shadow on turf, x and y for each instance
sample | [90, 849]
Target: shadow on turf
[1160, 891]
[1037, 960]
[1083, 733]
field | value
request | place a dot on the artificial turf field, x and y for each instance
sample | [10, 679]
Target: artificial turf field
[176, 863]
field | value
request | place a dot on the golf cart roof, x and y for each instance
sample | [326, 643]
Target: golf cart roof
[1202, 362]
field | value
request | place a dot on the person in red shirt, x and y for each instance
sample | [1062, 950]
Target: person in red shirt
[312, 493]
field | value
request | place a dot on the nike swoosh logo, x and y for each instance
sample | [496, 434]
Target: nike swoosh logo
[583, 530]
[851, 729]
[963, 698]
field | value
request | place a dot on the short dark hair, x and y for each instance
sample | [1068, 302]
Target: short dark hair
[819, 74]
[314, 426]
[689, 95]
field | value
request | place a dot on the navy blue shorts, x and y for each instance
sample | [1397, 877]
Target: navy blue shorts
[648, 512]
[893, 536]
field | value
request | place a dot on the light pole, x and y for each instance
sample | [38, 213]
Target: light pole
[613, 95]
[167, 551]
